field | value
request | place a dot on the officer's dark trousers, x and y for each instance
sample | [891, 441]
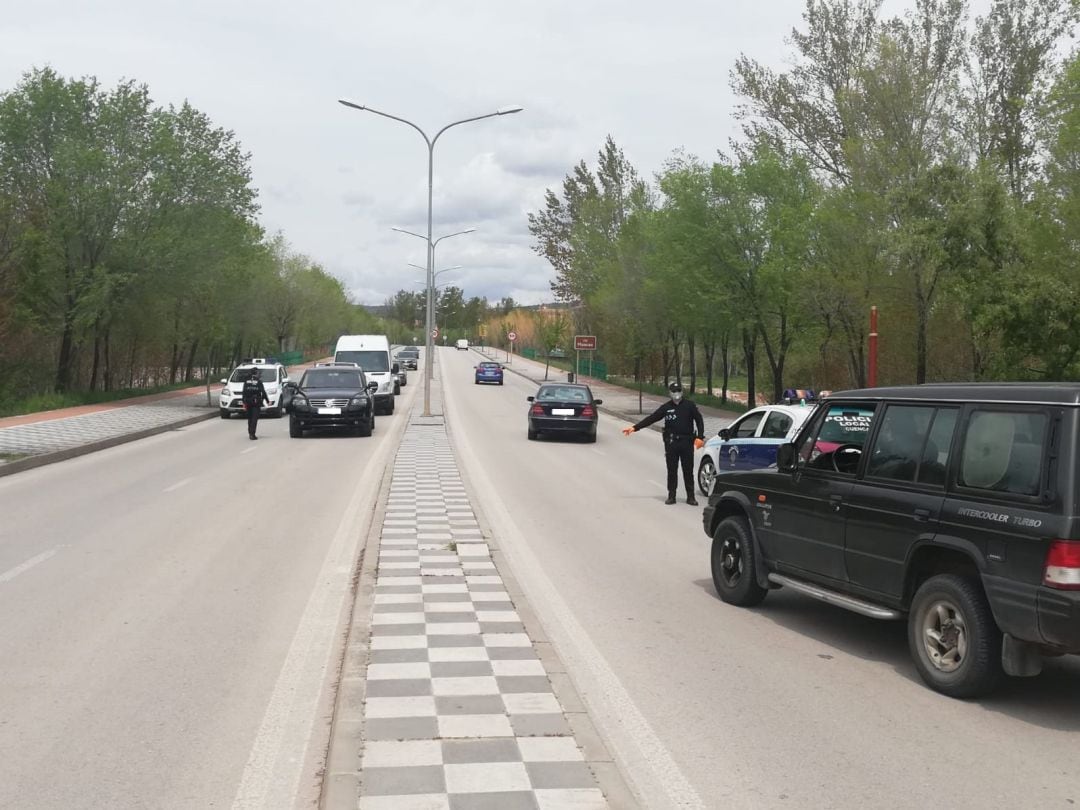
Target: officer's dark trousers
[253, 418]
[679, 450]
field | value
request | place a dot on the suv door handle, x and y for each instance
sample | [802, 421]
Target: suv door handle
[922, 515]
[836, 501]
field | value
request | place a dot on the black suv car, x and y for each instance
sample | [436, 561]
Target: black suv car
[955, 506]
[408, 357]
[331, 395]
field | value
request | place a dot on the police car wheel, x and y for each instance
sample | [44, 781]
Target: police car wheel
[295, 431]
[224, 413]
[705, 475]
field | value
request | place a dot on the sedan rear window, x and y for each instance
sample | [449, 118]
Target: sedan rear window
[562, 393]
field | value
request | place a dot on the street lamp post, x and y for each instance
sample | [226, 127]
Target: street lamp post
[429, 340]
[429, 372]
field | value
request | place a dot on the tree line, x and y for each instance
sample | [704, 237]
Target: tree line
[927, 164]
[130, 252]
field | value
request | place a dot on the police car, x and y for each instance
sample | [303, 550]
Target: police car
[750, 442]
[273, 375]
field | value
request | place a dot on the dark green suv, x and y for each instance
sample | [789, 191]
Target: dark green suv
[954, 506]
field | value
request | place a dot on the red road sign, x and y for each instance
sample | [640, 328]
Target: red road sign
[435, 332]
[584, 343]
[512, 336]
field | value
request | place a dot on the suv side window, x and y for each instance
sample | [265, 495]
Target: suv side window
[840, 427]
[935, 454]
[776, 426]
[899, 443]
[1003, 451]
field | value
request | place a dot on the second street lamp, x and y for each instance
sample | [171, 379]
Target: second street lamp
[430, 342]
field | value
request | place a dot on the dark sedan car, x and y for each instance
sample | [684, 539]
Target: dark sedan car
[331, 396]
[565, 409]
[489, 373]
[408, 357]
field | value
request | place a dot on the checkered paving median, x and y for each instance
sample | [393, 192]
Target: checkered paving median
[459, 714]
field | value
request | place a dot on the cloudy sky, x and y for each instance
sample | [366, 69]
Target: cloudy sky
[334, 180]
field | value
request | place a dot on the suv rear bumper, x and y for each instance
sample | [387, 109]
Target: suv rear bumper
[1036, 613]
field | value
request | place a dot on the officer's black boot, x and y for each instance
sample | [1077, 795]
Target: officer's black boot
[670, 498]
[690, 499]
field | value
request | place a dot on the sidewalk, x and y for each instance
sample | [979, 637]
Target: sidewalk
[618, 401]
[35, 439]
[458, 711]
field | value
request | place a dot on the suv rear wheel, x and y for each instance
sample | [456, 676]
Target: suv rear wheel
[733, 555]
[954, 640]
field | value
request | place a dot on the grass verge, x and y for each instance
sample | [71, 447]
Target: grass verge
[52, 401]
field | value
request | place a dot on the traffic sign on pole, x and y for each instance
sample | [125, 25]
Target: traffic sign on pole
[512, 336]
[585, 343]
[435, 332]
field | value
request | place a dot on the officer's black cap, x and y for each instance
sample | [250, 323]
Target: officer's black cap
[675, 388]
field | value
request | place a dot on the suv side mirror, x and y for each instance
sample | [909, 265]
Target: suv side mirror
[530, 399]
[224, 381]
[724, 434]
[598, 402]
[786, 458]
[372, 386]
[395, 368]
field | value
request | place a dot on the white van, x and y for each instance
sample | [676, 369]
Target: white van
[462, 343]
[372, 354]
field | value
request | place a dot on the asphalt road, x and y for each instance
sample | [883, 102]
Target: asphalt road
[793, 704]
[173, 612]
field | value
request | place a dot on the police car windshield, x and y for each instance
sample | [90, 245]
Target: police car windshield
[331, 378]
[367, 360]
[265, 374]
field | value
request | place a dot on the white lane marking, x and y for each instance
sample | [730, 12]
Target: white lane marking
[634, 740]
[249, 450]
[658, 484]
[178, 484]
[7, 576]
[272, 775]
[599, 452]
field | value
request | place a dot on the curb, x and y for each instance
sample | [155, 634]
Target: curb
[605, 769]
[41, 460]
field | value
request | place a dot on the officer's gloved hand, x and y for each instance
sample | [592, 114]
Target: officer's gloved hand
[626, 431]
[699, 443]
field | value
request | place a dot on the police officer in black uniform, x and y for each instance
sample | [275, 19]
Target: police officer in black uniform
[254, 395]
[684, 430]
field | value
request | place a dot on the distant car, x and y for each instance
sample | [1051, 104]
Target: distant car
[403, 379]
[332, 395]
[409, 357]
[273, 376]
[565, 409]
[750, 442]
[489, 373]
[462, 344]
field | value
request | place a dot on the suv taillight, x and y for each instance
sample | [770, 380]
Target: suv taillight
[537, 410]
[588, 411]
[1063, 565]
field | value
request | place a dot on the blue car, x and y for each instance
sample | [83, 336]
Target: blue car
[489, 373]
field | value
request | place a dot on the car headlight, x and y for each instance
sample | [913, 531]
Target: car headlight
[359, 399]
[300, 400]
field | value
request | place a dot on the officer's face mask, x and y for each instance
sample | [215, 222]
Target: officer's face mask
[676, 396]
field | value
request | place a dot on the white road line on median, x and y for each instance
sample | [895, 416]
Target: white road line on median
[668, 786]
[272, 775]
[658, 484]
[249, 450]
[7, 576]
[178, 484]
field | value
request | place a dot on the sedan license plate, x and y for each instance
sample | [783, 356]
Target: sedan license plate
[562, 411]
[330, 411]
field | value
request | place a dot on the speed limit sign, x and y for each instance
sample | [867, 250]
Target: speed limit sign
[512, 336]
[435, 332]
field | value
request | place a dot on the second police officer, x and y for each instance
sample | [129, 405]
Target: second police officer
[254, 395]
[684, 430]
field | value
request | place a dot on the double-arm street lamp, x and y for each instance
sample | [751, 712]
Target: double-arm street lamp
[429, 340]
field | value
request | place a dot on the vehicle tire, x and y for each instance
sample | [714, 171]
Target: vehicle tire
[390, 407]
[590, 438]
[954, 640]
[397, 389]
[500, 382]
[733, 556]
[532, 434]
[705, 474]
[224, 413]
[365, 428]
[295, 431]
[477, 382]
